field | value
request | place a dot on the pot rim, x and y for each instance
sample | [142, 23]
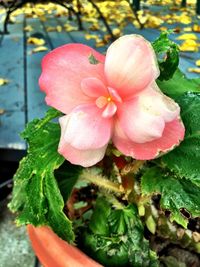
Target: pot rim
[52, 251]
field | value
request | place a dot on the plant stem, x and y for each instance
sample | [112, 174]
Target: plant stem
[101, 181]
[114, 202]
[132, 167]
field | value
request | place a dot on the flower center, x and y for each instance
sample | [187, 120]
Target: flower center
[109, 103]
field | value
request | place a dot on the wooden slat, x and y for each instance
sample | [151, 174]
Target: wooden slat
[75, 36]
[35, 98]
[57, 38]
[12, 122]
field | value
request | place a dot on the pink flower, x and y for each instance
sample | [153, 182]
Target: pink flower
[116, 99]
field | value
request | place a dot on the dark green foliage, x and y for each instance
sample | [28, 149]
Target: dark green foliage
[121, 242]
[36, 196]
[175, 193]
[185, 159]
[179, 85]
[167, 53]
[67, 176]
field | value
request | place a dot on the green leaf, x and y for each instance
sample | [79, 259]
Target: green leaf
[185, 159]
[175, 193]
[179, 85]
[123, 244]
[167, 53]
[67, 176]
[98, 223]
[93, 60]
[36, 196]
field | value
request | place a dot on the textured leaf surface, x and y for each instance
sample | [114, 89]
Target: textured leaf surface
[122, 242]
[185, 159]
[167, 53]
[67, 176]
[176, 194]
[179, 85]
[36, 196]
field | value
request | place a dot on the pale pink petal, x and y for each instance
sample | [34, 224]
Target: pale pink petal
[172, 135]
[140, 124]
[153, 99]
[85, 128]
[85, 158]
[110, 110]
[114, 95]
[143, 117]
[63, 70]
[101, 101]
[130, 65]
[93, 87]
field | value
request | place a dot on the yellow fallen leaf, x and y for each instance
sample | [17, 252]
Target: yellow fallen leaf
[187, 36]
[42, 18]
[3, 81]
[152, 21]
[106, 39]
[28, 28]
[163, 28]
[69, 28]
[39, 49]
[59, 28]
[185, 19]
[195, 70]
[189, 46]
[196, 28]
[36, 41]
[116, 32]
[197, 63]
[51, 29]
[91, 36]
[100, 42]
[187, 29]
[94, 27]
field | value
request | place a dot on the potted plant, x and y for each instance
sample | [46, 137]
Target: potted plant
[118, 175]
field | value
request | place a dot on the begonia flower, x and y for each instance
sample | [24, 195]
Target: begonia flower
[115, 98]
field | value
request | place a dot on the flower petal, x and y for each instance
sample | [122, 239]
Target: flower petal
[139, 124]
[172, 135]
[85, 158]
[130, 65]
[93, 87]
[143, 117]
[109, 110]
[63, 70]
[153, 99]
[85, 128]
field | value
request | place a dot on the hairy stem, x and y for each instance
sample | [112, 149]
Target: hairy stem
[101, 181]
[132, 167]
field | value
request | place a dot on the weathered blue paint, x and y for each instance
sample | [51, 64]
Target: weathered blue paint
[12, 122]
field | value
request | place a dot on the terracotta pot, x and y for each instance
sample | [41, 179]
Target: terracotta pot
[54, 252]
